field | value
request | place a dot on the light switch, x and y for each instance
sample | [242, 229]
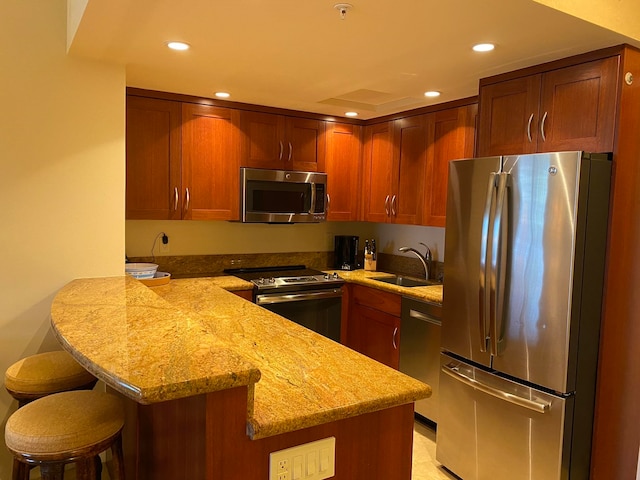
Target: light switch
[297, 467]
[310, 461]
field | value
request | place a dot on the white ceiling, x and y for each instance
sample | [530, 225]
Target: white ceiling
[301, 55]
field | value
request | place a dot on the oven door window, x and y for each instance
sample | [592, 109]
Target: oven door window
[317, 311]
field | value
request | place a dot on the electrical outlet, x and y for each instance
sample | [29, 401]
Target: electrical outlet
[310, 461]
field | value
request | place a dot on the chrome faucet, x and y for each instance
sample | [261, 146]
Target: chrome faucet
[426, 259]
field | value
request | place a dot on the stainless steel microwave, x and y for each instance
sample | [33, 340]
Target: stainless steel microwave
[282, 196]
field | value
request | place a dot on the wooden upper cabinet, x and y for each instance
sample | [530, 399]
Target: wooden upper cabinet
[153, 182]
[279, 142]
[410, 155]
[211, 144]
[343, 160]
[378, 172]
[451, 136]
[394, 171]
[570, 108]
[578, 106]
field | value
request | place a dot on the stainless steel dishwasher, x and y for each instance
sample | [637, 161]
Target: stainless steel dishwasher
[420, 350]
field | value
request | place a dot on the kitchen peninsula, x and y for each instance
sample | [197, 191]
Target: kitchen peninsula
[214, 383]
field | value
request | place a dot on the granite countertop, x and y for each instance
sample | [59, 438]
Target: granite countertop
[192, 336]
[431, 293]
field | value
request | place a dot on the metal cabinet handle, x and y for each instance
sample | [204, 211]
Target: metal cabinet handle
[176, 198]
[386, 205]
[290, 152]
[529, 128]
[544, 118]
[281, 150]
[393, 205]
[188, 199]
[393, 339]
[539, 407]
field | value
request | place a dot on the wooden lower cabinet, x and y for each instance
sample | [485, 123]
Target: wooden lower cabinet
[246, 294]
[204, 438]
[373, 324]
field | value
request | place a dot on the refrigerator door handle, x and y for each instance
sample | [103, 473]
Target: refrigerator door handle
[539, 407]
[484, 251]
[496, 282]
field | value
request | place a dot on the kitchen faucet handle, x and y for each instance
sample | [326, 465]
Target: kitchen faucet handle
[427, 255]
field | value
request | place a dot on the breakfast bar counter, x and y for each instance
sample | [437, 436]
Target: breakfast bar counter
[191, 339]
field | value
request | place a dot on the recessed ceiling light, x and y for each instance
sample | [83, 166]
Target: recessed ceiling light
[222, 94]
[350, 114]
[483, 47]
[432, 94]
[178, 46]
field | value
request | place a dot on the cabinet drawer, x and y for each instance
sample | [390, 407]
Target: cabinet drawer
[374, 298]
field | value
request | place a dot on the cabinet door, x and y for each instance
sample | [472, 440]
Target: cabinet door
[378, 172]
[410, 158]
[376, 334]
[451, 136]
[509, 117]
[578, 106]
[210, 162]
[263, 143]
[305, 145]
[343, 171]
[153, 159]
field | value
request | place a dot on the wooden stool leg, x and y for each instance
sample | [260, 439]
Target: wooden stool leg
[86, 469]
[97, 461]
[118, 457]
[52, 471]
[20, 470]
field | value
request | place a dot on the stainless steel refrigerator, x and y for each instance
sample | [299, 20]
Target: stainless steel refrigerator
[525, 245]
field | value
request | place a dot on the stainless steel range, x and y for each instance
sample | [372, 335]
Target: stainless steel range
[305, 296]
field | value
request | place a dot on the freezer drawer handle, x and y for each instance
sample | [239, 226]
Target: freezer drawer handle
[539, 407]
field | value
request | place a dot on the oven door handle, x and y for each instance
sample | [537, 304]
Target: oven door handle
[269, 299]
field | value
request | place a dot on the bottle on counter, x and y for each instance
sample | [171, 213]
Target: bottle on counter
[374, 256]
[367, 256]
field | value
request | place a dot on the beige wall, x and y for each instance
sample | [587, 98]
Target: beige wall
[62, 180]
[208, 238]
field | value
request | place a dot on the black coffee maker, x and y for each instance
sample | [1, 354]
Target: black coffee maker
[346, 252]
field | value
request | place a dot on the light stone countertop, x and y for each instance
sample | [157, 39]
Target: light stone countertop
[431, 293]
[192, 336]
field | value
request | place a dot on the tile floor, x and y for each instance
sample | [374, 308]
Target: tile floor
[425, 466]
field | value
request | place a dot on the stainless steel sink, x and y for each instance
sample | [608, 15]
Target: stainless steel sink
[403, 281]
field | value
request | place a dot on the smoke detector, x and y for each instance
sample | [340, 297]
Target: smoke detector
[342, 8]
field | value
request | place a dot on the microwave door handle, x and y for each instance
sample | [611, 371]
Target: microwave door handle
[313, 198]
[483, 313]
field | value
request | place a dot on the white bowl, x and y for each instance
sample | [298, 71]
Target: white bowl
[141, 270]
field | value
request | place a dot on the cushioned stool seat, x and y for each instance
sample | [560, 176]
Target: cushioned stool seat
[66, 427]
[45, 373]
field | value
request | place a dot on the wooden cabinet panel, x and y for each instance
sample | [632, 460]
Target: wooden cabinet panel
[378, 172]
[343, 171]
[376, 334]
[263, 147]
[210, 162]
[570, 108]
[153, 159]
[580, 104]
[508, 117]
[373, 327]
[451, 136]
[410, 142]
[279, 142]
[306, 139]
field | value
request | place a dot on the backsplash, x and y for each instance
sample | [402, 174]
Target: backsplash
[210, 265]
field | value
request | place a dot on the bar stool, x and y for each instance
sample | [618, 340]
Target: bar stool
[63, 428]
[46, 373]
